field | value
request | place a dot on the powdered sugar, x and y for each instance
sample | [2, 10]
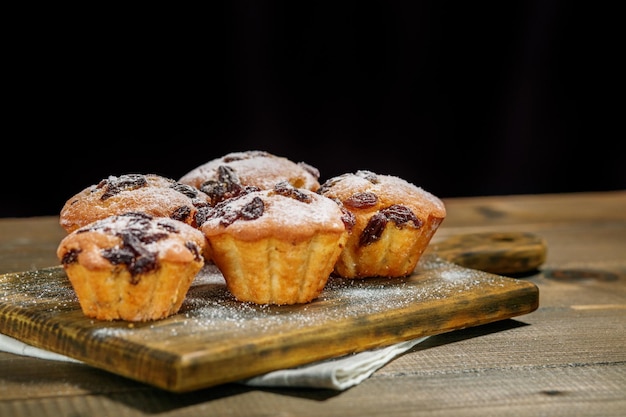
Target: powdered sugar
[389, 189]
[281, 215]
[210, 314]
[163, 237]
[257, 168]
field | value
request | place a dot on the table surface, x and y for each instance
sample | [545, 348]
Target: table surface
[566, 358]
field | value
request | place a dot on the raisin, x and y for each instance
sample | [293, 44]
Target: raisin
[170, 228]
[227, 215]
[146, 238]
[202, 215]
[118, 256]
[396, 213]
[287, 190]
[194, 249]
[374, 229]
[133, 255]
[221, 210]
[253, 210]
[227, 175]
[400, 215]
[70, 256]
[138, 220]
[361, 200]
[132, 252]
[226, 186]
[114, 185]
[142, 265]
[186, 190]
[215, 190]
[348, 218]
[134, 240]
[181, 213]
[328, 184]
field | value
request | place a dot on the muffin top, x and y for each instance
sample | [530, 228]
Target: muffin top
[258, 169]
[136, 240]
[284, 212]
[365, 191]
[150, 193]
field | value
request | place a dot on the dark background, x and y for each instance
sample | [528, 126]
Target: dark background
[460, 98]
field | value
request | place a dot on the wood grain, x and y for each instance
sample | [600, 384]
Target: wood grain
[566, 358]
[495, 252]
[216, 339]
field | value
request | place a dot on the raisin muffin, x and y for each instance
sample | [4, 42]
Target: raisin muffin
[152, 194]
[231, 174]
[393, 223]
[132, 266]
[275, 246]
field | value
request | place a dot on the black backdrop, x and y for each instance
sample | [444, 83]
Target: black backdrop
[460, 98]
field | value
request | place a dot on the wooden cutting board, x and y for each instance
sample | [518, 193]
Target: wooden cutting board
[215, 339]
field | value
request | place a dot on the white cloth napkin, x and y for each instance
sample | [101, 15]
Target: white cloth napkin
[337, 374]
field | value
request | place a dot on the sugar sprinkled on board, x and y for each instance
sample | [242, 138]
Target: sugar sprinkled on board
[210, 310]
[47, 291]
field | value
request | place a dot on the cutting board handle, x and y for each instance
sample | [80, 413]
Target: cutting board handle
[502, 253]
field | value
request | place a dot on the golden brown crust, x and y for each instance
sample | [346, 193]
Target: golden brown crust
[275, 271]
[133, 266]
[275, 246]
[394, 222]
[150, 193]
[283, 212]
[135, 242]
[258, 169]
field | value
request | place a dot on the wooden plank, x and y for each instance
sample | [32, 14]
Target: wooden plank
[216, 339]
[566, 358]
[496, 252]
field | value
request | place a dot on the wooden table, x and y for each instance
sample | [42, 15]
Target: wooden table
[566, 358]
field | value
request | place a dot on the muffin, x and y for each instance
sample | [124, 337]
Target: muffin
[232, 173]
[152, 194]
[394, 222]
[132, 266]
[275, 246]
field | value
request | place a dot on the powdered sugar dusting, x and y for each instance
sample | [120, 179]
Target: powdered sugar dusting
[163, 236]
[257, 168]
[210, 306]
[211, 314]
[281, 215]
[388, 188]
